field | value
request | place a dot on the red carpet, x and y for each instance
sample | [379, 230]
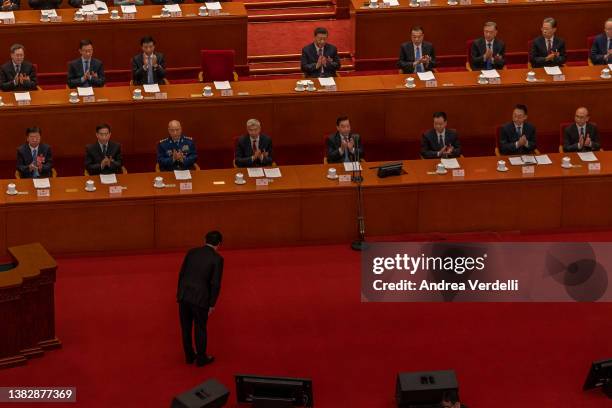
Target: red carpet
[296, 312]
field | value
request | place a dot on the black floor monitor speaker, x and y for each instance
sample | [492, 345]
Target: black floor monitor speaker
[424, 389]
[210, 394]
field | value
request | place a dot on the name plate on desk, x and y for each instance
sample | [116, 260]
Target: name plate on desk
[89, 99]
[432, 83]
[528, 170]
[91, 17]
[43, 192]
[115, 189]
[495, 81]
[465, 2]
[344, 178]
[594, 166]
[185, 186]
[559, 77]
[227, 92]
[8, 21]
[459, 173]
[262, 182]
[161, 95]
[502, 1]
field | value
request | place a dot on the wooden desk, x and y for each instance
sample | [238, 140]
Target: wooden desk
[387, 114]
[303, 207]
[180, 39]
[379, 33]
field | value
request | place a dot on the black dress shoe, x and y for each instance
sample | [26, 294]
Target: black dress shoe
[206, 360]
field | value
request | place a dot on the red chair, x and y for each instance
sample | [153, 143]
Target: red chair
[468, 44]
[590, 41]
[529, 44]
[217, 65]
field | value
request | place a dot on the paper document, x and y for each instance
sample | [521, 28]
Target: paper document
[173, 8]
[88, 8]
[528, 159]
[22, 96]
[222, 85]
[426, 76]
[543, 159]
[255, 172]
[152, 88]
[610, 66]
[553, 70]
[392, 3]
[7, 15]
[100, 5]
[450, 163]
[490, 73]
[129, 9]
[587, 156]
[182, 174]
[50, 13]
[327, 81]
[88, 91]
[213, 5]
[272, 172]
[41, 183]
[108, 178]
[350, 166]
[516, 161]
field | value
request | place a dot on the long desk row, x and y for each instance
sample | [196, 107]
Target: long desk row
[303, 206]
[52, 44]
[378, 33]
[381, 109]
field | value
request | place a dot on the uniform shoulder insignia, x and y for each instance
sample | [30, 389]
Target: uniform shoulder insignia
[187, 137]
[163, 140]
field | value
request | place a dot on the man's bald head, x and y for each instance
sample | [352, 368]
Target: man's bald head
[174, 129]
[582, 116]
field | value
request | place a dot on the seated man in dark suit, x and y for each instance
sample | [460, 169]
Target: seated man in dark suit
[581, 136]
[18, 74]
[81, 3]
[601, 51]
[416, 55]
[148, 67]
[34, 159]
[44, 4]
[518, 136]
[10, 5]
[103, 157]
[488, 52]
[177, 151]
[85, 71]
[255, 148]
[344, 146]
[320, 59]
[440, 141]
[547, 50]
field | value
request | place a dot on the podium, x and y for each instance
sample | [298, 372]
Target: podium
[27, 305]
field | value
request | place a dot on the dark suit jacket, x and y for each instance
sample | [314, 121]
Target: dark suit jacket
[571, 137]
[80, 3]
[407, 58]
[599, 50]
[75, 73]
[24, 159]
[44, 4]
[333, 145]
[508, 138]
[538, 54]
[93, 158]
[310, 58]
[430, 145]
[139, 74]
[7, 76]
[244, 151]
[479, 47]
[12, 6]
[162, 2]
[199, 281]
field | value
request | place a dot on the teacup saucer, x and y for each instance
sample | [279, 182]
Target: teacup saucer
[502, 170]
[240, 182]
[567, 167]
[91, 190]
[299, 89]
[77, 101]
[441, 172]
[332, 177]
[1, 103]
[115, 18]
[605, 77]
[207, 96]
[162, 186]
[138, 98]
[13, 193]
[311, 90]
[531, 80]
[410, 86]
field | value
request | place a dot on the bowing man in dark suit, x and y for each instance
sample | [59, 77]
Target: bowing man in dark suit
[601, 51]
[581, 136]
[253, 149]
[344, 146]
[17, 74]
[34, 159]
[440, 141]
[320, 59]
[103, 157]
[198, 289]
[417, 55]
[547, 50]
[488, 52]
[85, 71]
[518, 136]
[148, 67]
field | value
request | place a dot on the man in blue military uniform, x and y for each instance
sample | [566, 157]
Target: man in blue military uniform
[177, 151]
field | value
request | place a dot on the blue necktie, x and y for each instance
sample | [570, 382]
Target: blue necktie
[609, 43]
[489, 64]
[417, 56]
[346, 151]
[35, 162]
[86, 69]
[519, 132]
[150, 71]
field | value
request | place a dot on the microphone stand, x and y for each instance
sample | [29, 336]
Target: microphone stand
[357, 177]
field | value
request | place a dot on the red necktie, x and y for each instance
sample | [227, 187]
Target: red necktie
[548, 45]
[254, 146]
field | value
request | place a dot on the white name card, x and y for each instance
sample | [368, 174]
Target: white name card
[43, 192]
[465, 2]
[594, 166]
[185, 186]
[459, 173]
[432, 83]
[115, 189]
[529, 170]
[559, 77]
[344, 178]
[262, 182]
